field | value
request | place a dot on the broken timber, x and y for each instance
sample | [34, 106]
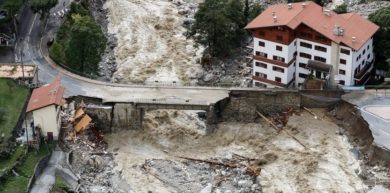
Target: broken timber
[311, 112]
[278, 130]
[249, 170]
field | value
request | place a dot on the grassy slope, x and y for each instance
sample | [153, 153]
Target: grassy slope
[12, 101]
[18, 184]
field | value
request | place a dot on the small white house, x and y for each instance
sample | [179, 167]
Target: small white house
[45, 107]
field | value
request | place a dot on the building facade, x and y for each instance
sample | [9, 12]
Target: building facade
[294, 41]
[44, 107]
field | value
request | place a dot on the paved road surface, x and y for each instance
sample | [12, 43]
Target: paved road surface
[379, 126]
[45, 181]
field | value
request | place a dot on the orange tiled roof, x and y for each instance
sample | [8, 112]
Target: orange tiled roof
[313, 16]
[46, 95]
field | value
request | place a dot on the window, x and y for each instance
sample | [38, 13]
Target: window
[342, 82]
[278, 79]
[260, 64]
[280, 48]
[306, 45]
[320, 48]
[358, 58]
[278, 58]
[302, 65]
[295, 54]
[342, 72]
[304, 55]
[320, 59]
[277, 69]
[261, 54]
[344, 51]
[368, 47]
[295, 43]
[261, 75]
[364, 51]
[261, 33]
[279, 38]
[369, 55]
[301, 75]
[342, 61]
[262, 44]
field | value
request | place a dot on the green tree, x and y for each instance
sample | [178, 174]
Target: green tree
[12, 7]
[341, 8]
[382, 37]
[219, 25]
[87, 43]
[2, 115]
[42, 6]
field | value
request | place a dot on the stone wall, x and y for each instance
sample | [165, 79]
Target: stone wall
[126, 116]
[320, 98]
[243, 104]
[101, 116]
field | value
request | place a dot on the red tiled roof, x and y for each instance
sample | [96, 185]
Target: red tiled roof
[313, 16]
[46, 95]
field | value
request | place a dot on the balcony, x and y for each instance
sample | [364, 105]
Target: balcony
[261, 79]
[364, 74]
[275, 62]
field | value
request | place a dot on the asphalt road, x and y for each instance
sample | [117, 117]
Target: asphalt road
[33, 36]
[379, 126]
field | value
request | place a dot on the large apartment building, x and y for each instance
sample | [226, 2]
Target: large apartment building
[293, 41]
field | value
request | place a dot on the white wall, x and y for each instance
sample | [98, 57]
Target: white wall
[270, 48]
[313, 52]
[288, 51]
[356, 63]
[46, 119]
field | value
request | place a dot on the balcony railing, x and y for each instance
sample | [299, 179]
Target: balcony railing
[364, 72]
[261, 79]
[275, 62]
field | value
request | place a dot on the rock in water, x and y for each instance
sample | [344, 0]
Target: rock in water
[207, 189]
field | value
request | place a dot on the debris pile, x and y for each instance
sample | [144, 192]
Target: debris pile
[196, 175]
[306, 155]
[89, 159]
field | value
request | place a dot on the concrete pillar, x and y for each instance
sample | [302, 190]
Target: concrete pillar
[211, 119]
[126, 116]
[334, 61]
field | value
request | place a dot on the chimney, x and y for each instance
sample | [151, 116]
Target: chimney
[303, 5]
[289, 6]
[327, 12]
[275, 18]
[353, 39]
[273, 13]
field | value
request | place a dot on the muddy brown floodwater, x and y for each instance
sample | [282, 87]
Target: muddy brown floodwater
[149, 159]
[151, 41]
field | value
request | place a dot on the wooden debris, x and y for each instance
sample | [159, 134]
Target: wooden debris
[277, 129]
[269, 122]
[311, 112]
[229, 164]
[220, 179]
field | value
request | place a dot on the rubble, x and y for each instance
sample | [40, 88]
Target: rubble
[365, 9]
[170, 158]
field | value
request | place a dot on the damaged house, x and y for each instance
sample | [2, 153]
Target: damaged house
[44, 107]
